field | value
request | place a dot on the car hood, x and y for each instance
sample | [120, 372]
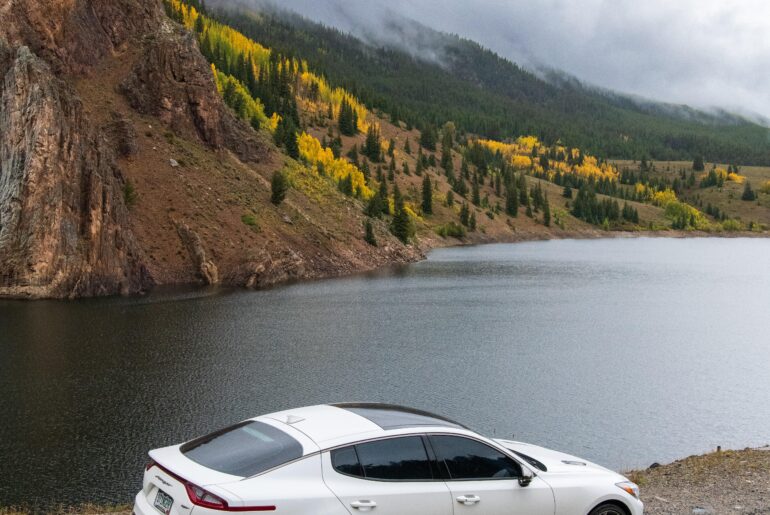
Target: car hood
[555, 462]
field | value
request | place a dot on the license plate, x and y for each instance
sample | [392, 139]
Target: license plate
[163, 501]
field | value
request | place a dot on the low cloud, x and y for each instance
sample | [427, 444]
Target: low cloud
[705, 53]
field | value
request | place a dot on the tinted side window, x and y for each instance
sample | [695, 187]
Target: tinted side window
[396, 459]
[470, 459]
[244, 449]
[345, 461]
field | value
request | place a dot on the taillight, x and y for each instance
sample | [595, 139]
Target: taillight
[206, 499]
[201, 497]
[149, 465]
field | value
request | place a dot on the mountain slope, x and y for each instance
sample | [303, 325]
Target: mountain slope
[121, 167]
[488, 95]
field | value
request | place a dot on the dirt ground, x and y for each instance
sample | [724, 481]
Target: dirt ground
[723, 483]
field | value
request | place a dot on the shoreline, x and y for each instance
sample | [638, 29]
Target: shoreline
[718, 482]
[426, 243]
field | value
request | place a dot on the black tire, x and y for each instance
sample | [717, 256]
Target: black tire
[608, 509]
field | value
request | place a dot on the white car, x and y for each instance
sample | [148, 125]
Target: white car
[345, 459]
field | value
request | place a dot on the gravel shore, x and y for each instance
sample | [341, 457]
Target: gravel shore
[722, 482]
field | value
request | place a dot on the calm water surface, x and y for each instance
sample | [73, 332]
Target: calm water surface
[621, 351]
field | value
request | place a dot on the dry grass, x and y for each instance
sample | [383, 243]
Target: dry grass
[721, 482]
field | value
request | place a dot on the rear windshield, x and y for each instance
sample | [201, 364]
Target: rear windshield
[244, 449]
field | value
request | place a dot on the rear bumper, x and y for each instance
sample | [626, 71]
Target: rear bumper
[142, 507]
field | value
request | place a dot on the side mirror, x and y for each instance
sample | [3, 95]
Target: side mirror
[526, 478]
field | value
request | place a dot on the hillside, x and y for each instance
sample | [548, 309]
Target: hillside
[488, 95]
[146, 143]
[122, 168]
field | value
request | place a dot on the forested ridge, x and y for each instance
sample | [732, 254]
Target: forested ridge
[278, 90]
[485, 94]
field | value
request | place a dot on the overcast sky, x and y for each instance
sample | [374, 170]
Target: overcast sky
[700, 52]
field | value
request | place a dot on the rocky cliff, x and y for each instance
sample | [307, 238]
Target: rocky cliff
[121, 167]
[63, 225]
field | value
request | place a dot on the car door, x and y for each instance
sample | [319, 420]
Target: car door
[391, 476]
[484, 481]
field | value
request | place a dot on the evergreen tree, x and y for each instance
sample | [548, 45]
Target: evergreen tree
[567, 193]
[372, 148]
[427, 196]
[512, 201]
[290, 142]
[748, 193]
[546, 212]
[522, 187]
[347, 119]
[472, 222]
[369, 233]
[428, 138]
[345, 185]
[476, 194]
[465, 214]
[383, 193]
[460, 187]
[279, 186]
[407, 148]
[401, 226]
[698, 165]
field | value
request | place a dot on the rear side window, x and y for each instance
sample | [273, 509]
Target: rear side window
[244, 449]
[345, 461]
[395, 459]
[470, 459]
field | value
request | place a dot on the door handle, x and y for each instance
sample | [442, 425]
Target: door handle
[468, 500]
[363, 505]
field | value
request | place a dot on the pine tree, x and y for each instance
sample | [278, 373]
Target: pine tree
[472, 222]
[383, 193]
[522, 187]
[512, 201]
[347, 119]
[369, 233]
[290, 142]
[698, 165]
[372, 148]
[427, 196]
[476, 194]
[407, 148]
[546, 212]
[401, 226]
[567, 193]
[428, 138]
[748, 193]
[464, 214]
[279, 186]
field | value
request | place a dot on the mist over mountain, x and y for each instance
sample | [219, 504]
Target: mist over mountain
[711, 56]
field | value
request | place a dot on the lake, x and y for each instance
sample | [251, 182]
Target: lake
[622, 351]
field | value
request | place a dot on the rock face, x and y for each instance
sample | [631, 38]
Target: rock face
[62, 219]
[173, 82]
[121, 167]
[65, 230]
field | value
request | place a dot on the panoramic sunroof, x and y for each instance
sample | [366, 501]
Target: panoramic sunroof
[389, 416]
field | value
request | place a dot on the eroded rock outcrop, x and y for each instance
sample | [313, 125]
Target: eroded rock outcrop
[65, 230]
[63, 224]
[173, 82]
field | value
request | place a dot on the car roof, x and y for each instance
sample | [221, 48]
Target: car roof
[331, 425]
